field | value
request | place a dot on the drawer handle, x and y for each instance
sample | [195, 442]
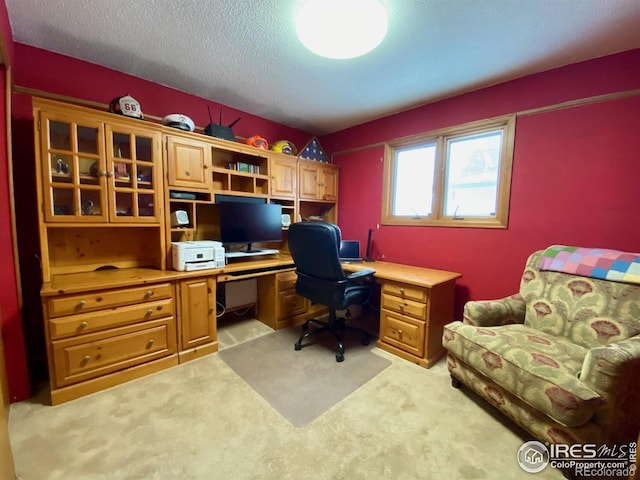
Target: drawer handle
[402, 291]
[210, 310]
[86, 359]
[149, 313]
[84, 325]
[148, 293]
[402, 305]
[150, 343]
[82, 303]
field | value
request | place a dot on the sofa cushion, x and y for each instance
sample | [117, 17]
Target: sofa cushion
[540, 369]
[537, 423]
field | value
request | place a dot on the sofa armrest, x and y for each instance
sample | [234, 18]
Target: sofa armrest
[604, 366]
[492, 313]
[614, 371]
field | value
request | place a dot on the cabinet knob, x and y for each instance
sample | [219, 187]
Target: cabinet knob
[150, 342]
[149, 313]
[103, 173]
[399, 333]
[82, 303]
[148, 293]
[402, 305]
[402, 291]
[211, 310]
[110, 174]
[206, 166]
[84, 325]
[86, 359]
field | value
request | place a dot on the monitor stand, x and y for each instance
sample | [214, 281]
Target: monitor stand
[251, 252]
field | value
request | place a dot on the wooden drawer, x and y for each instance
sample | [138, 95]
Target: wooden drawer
[103, 319]
[316, 309]
[117, 349]
[404, 290]
[90, 301]
[402, 332]
[287, 281]
[290, 303]
[404, 306]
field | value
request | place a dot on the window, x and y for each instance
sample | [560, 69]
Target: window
[458, 176]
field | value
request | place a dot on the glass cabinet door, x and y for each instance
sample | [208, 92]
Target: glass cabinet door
[134, 178]
[74, 173]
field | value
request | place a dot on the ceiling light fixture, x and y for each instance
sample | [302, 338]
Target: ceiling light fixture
[341, 29]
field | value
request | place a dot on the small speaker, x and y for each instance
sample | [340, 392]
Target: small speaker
[179, 218]
[286, 220]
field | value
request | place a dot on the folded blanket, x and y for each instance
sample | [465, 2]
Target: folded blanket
[600, 263]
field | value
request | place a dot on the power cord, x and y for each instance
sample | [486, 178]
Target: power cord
[245, 312]
[222, 310]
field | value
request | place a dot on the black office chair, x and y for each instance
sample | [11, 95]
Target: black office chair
[314, 248]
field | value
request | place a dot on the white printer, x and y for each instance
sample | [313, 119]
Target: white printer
[197, 255]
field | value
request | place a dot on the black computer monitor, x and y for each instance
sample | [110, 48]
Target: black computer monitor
[248, 223]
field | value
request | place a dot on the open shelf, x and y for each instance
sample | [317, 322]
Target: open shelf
[231, 181]
[326, 210]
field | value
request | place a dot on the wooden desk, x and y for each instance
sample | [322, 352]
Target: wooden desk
[126, 277]
[103, 328]
[106, 327]
[415, 304]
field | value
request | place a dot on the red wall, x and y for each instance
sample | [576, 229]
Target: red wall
[12, 325]
[12, 331]
[575, 176]
[88, 81]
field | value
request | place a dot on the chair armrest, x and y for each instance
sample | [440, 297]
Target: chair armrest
[365, 272]
[613, 370]
[492, 313]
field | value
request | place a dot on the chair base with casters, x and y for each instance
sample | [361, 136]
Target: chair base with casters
[321, 279]
[335, 325]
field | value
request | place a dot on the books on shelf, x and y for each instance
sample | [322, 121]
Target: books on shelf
[245, 167]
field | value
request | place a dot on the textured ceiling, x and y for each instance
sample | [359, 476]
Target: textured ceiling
[244, 53]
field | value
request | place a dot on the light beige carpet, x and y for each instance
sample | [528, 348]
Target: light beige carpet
[201, 421]
[302, 385]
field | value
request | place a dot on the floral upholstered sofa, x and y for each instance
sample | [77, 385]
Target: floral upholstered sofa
[562, 357]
